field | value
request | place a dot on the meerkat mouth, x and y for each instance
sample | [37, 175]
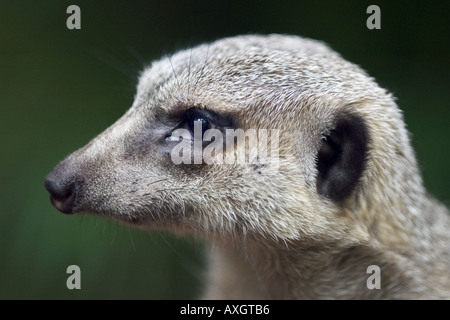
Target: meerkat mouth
[62, 199]
[61, 205]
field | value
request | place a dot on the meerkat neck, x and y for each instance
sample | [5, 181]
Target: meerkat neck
[317, 269]
[305, 271]
[395, 219]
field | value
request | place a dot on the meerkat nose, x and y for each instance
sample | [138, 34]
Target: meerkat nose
[62, 191]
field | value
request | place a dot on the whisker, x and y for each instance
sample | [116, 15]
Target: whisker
[170, 189]
[189, 71]
[136, 55]
[171, 247]
[153, 182]
[131, 239]
[173, 70]
[203, 68]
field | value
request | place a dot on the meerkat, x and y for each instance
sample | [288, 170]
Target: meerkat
[343, 194]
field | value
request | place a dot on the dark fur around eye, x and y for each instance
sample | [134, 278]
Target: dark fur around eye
[208, 118]
[198, 115]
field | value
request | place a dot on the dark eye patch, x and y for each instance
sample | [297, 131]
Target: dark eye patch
[203, 118]
[209, 119]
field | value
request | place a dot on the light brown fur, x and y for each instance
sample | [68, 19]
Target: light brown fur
[272, 235]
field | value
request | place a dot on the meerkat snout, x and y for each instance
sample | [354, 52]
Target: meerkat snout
[292, 162]
[63, 184]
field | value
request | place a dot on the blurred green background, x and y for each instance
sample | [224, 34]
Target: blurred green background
[59, 88]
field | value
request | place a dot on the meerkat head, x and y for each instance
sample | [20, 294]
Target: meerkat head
[273, 136]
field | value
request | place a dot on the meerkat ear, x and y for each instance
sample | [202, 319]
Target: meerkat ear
[342, 157]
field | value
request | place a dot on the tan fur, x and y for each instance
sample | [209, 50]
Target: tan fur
[272, 235]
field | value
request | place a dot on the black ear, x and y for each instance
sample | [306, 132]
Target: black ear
[342, 157]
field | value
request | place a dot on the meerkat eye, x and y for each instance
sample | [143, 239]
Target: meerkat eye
[205, 123]
[200, 118]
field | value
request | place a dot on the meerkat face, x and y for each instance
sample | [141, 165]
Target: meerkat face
[262, 135]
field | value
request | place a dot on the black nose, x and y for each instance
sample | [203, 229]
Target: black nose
[63, 191]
